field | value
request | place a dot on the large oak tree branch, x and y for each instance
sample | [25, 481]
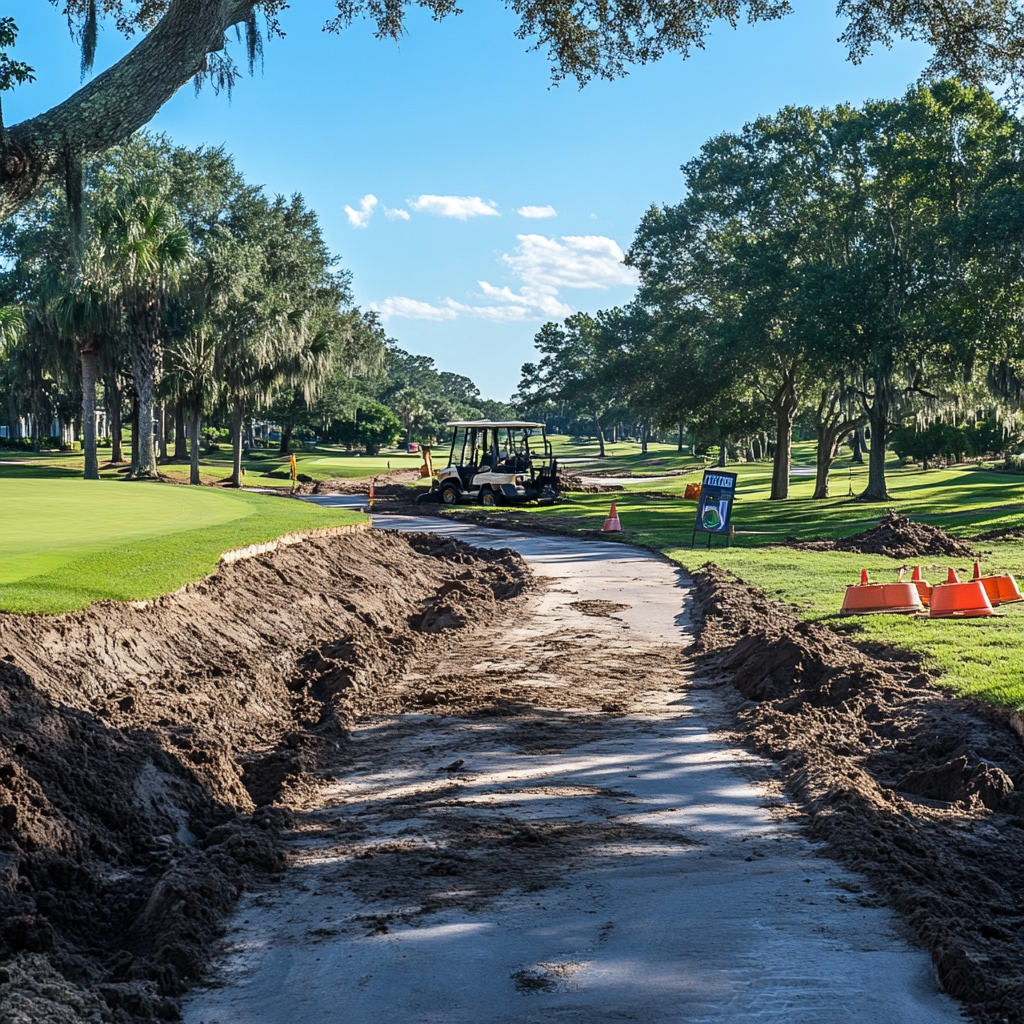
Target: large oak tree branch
[117, 102]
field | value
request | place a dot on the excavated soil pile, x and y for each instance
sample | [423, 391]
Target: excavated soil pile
[897, 537]
[920, 792]
[1007, 533]
[391, 483]
[569, 481]
[150, 753]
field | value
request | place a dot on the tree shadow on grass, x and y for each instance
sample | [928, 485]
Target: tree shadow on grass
[38, 471]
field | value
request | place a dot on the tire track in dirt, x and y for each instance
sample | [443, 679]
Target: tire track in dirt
[549, 831]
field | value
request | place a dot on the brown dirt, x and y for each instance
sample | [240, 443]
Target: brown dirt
[152, 753]
[436, 840]
[1007, 533]
[569, 481]
[896, 537]
[391, 483]
[599, 609]
[922, 793]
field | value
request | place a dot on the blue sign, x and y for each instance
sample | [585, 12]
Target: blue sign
[714, 508]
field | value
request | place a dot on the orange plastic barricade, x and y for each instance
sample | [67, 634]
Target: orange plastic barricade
[868, 598]
[956, 600]
[692, 492]
[924, 588]
[1000, 589]
[612, 524]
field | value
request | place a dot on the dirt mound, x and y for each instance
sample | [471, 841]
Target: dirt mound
[896, 537]
[151, 753]
[569, 481]
[922, 793]
[1007, 533]
[392, 482]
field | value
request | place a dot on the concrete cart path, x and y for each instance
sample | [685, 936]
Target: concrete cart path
[704, 903]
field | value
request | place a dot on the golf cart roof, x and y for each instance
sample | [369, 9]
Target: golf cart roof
[493, 423]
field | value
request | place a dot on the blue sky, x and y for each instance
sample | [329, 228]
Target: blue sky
[501, 202]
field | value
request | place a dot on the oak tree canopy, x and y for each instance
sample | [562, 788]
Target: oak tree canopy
[190, 40]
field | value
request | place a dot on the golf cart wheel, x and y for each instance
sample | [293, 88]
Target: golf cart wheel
[449, 495]
[489, 498]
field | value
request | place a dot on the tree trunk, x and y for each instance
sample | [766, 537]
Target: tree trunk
[135, 436]
[878, 417]
[194, 423]
[143, 451]
[679, 445]
[645, 433]
[723, 454]
[286, 439]
[823, 464]
[180, 442]
[162, 423]
[87, 355]
[145, 353]
[114, 412]
[783, 447]
[858, 447]
[600, 434]
[237, 414]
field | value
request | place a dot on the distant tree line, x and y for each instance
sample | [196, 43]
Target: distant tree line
[179, 295]
[848, 273]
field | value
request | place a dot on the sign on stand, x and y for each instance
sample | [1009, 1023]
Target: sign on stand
[714, 507]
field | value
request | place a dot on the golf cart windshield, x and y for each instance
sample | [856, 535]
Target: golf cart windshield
[510, 445]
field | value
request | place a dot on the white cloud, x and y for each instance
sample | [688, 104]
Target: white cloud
[361, 217]
[460, 207]
[577, 261]
[412, 309]
[395, 214]
[537, 212]
[543, 266]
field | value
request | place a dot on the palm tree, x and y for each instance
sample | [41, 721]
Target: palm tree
[28, 369]
[12, 326]
[81, 316]
[409, 411]
[191, 361]
[146, 251]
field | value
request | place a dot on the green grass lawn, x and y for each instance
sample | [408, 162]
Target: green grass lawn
[984, 658]
[622, 456]
[263, 468]
[66, 543]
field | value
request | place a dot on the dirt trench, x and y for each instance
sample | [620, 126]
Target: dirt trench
[151, 753]
[920, 792]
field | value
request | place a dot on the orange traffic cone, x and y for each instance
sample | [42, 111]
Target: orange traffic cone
[369, 505]
[1000, 589]
[878, 598]
[924, 588]
[956, 600]
[612, 524]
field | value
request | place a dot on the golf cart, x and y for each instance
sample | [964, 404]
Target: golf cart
[498, 462]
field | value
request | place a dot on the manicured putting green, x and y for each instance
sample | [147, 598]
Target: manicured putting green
[47, 523]
[67, 543]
